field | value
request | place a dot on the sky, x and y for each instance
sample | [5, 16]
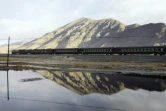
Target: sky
[27, 19]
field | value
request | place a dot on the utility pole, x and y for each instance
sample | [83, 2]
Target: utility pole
[8, 69]
[8, 52]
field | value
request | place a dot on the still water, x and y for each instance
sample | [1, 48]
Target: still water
[44, 90]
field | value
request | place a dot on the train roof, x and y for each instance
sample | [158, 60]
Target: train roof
[143, 47]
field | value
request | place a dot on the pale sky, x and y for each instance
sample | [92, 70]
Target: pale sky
[25, 19]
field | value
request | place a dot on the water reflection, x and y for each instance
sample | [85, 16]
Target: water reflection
[85, 83]
[81, 91]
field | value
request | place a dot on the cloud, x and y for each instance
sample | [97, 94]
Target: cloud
[33, 18]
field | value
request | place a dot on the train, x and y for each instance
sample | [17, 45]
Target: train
[156, 50]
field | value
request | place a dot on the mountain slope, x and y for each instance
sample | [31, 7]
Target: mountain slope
[86, 32]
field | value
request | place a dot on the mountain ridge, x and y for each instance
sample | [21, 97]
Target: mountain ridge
[85, 32]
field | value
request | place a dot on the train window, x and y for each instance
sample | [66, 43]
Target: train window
[148, 49]
[161, 49]
[155, 49]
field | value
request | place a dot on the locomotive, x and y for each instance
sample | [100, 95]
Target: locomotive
[161, 50]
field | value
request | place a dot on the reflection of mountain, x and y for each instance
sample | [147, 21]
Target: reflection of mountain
[86, 83]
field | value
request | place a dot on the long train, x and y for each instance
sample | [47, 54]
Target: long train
[161, 50]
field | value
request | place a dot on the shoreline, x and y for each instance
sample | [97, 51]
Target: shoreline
[73, 63]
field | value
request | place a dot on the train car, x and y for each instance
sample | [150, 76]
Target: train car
[161, 50]
[43, 51]
[97, 51]
[15, 51]
[66, 51]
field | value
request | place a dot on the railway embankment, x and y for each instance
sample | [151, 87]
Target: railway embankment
[135, 65]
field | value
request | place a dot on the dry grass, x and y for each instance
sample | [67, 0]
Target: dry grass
[26, 62]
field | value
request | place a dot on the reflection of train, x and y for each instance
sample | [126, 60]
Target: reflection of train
[161, 50]
[30, 79]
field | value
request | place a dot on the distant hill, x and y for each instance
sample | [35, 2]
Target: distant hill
[4, 48]
[86, 32]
